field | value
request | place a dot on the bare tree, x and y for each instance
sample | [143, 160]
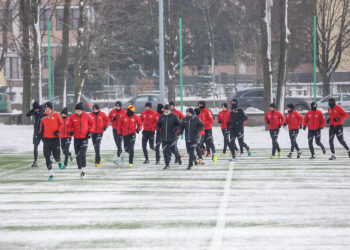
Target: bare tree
[333, 37]
[5, 29]
[282, 71]
[265, 21]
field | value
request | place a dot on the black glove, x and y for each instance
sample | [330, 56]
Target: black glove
[71, 133]
[104, 128]
[56, 133]
[279, 126]
[88, 136]
[328, 121]
[113, 119]
[284, 125]
[336, 120]
[319, 130]
[220, 122]
[137, 130]
[304, 127]
[228, 125]
[300, 126]
[268, 122]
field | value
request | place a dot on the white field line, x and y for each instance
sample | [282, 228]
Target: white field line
[221, 217]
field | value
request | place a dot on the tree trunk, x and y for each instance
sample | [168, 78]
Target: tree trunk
[26, 62]
[326, 84]
[265, 26]
[65, 52]
[5, 29]
[282, 71]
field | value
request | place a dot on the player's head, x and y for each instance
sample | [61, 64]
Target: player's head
[96, 108]
[130, 111]
[313, 105]
[64, 112]
[79, 109]
[331, 103]
[172, 105]
[197, 111]
[224, 106]
[234, 104]
[167, 109]
[290, 107]
[272, 106]
[148, 106]
[160, 108]
[189, 112]
[48, 107]
[36, 106]
[118, 105]
[202, 104]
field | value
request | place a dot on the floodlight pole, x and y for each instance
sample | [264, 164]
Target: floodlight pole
[161, 52]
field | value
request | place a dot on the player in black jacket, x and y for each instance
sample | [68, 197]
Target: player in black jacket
[167, 127]
[191, 125]
[38, 113]
[236, 126]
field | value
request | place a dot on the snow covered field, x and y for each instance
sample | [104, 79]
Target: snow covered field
[254, 203]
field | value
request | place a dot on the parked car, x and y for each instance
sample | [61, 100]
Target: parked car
[254, 97]
[140, 100]
[87, 104]
[5, 105]
[342, 99]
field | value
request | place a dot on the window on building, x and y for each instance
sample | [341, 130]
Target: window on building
[75, 18]
[44, 15]
[59, 19]
[2, 19]
[14, 68]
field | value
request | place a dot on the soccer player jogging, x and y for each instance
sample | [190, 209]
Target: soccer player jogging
[149, 119]
[274, 120]
[337, 115]
[65, 137]
[128, 125]
[37, 112]
[208, 124]
[236, 125]
[223, 119]
[50, 126]
[101, 124]
[80, 126]
[168, 125]
[191, 126]
[294, 121]
[181, 117]
[315, 121]
[114, 116]
[160, 110]
[201, 136]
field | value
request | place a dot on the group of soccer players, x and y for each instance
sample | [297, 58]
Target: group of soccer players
[162, 128]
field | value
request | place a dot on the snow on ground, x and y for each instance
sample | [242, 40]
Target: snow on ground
[15, 138]
[254, 203]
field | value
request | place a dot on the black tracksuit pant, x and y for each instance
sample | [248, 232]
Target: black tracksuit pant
[129, 144]
[274, 136]
[239, 135]
[199, 147]
[168, 148]
[293, 134]
[157, 148]
[65, 144]
[317, 135]
[226, 135]
[36, 142]
[209, 141]
[52, 146]
[191, 147]
[96, 141]
[80, 148]
[337, 131]
[147, 136]
[118, 141]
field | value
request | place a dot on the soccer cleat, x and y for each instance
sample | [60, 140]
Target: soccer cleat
[230, 154]
[35, 164]
[332, 158]
[166, 167]
[280, 153]
[157, 162]
[208, 154]
[146, 161]
[298, 154]
[324, 151]
[122, 156]
[223, 155]
[98, 164]
[82, 175]
[249, 153]
[71, 158]
[195, 162]
[312, 157]
[61, 166]
[290, 155]
[51, 178]
[214, 158]
[272, 157]
[232, 159]
[130, 165]
[200, 162]
[189, 167]
[117, 161]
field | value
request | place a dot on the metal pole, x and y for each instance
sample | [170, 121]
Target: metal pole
[315, 27]
[49, 57]
[181, 78]
[161, 52]
[108, 90]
